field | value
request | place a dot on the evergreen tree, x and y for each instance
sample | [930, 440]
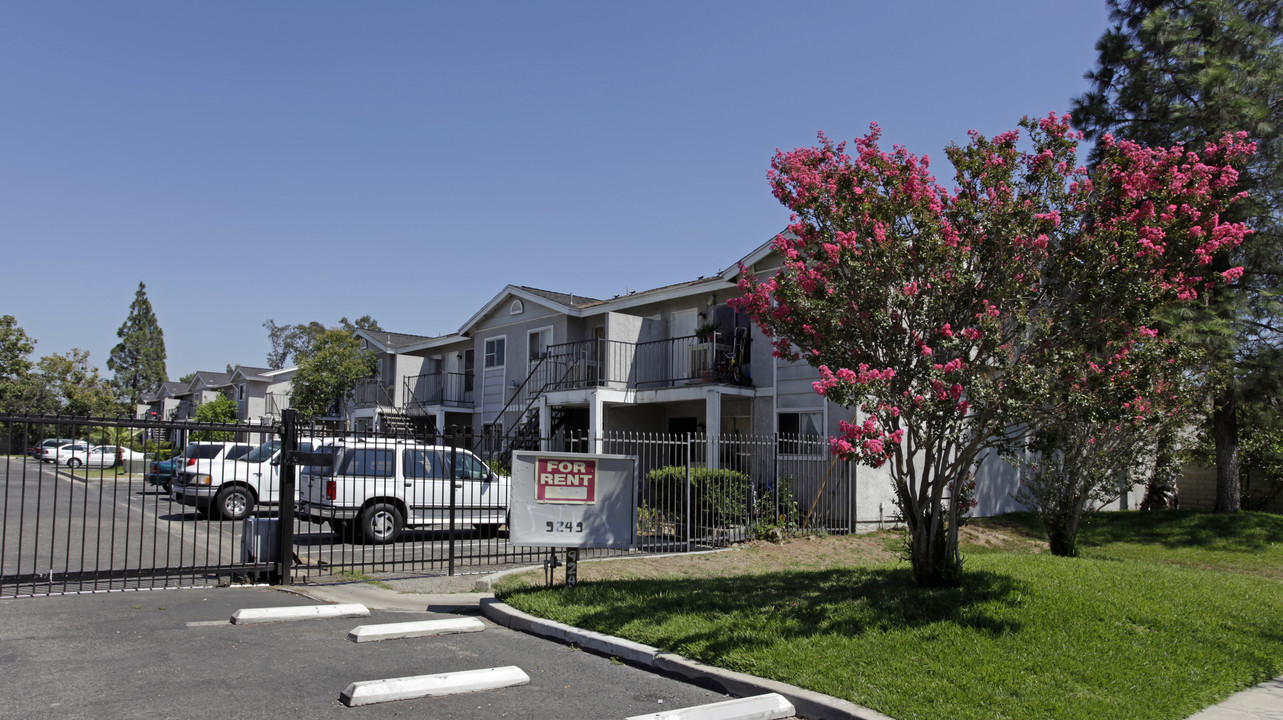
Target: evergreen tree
[139, 359]
[1188, 71]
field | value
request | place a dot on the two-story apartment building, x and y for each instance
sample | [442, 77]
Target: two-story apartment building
[674, 360]
[261, 393]
[162, 404]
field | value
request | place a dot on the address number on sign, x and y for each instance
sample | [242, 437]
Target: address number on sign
[564, 526]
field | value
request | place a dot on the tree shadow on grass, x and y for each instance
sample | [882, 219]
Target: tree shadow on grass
[793, 605]
[1231, 532]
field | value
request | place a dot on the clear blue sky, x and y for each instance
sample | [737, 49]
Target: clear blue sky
[309, 160]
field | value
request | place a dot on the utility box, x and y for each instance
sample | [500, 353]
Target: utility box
[260, 541]
[573, 500]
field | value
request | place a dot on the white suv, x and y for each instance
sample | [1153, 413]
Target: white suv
[231, 490]
[376, 489]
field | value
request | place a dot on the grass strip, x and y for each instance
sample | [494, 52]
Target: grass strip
[1161, 618]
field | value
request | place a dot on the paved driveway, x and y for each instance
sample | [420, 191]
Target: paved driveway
[172, 654]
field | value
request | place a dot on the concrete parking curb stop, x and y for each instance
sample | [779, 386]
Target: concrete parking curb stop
[405, 688]
[808, 704]
[250, 616]
[770, 706]
[423, 628]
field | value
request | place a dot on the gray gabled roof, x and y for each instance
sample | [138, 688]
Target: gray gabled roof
[169, 389]
[211, 379]
[392, 341]
[567, 299]
[251, 372]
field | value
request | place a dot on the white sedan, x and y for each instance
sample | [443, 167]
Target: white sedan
[58, 454]
[73, 456]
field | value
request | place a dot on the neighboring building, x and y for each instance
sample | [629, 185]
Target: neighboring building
[205, 386]
[418, 384]
[261, 393]
[162, 404]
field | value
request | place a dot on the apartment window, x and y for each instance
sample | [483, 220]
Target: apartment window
[240, 391]
[494, 352]
[801, 433]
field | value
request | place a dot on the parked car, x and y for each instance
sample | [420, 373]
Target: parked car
[375, 490]
[77, 454]
[37, 451]
[196, 457]
[50, 454]
[232, 490]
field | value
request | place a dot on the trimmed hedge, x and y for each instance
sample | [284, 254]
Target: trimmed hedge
[719, 498]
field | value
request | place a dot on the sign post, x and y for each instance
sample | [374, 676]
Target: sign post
[573, 501]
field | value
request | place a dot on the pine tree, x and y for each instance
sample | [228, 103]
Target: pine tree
[1188, 71]
[139, 359]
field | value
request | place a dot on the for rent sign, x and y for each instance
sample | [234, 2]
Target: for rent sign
[558, 480]
[576, 500]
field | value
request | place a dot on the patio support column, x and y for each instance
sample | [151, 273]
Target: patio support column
[545, 422]
[440, 421]
[596, 421]
[712, 425]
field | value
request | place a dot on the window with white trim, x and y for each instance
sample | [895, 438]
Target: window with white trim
[494, 351]
[801, 433]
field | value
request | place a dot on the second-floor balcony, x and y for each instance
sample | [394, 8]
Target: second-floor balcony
[274, 403]
[451, 389]
[372, 392]
[652, 365]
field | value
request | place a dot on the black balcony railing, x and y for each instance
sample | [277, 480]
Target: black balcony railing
[642, 366]
[439, 389]
[274, 403]
[372, 392]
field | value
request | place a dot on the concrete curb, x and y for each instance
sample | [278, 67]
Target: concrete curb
[759, 707]
[422, 628]
[251, 616]
[808, 704]
[485, 583]
[369, 692]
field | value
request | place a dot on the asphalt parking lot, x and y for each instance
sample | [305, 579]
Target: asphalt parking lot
[174, 654]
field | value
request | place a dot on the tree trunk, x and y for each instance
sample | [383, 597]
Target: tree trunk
[935, 558]
[1225, 431]
[1160, 491]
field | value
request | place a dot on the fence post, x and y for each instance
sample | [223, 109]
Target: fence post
[285, 516]
[450, 473]
[690, 526]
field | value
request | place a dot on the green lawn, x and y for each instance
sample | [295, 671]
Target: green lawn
[1164, 614]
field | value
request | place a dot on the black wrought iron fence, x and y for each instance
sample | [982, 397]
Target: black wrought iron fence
[103, 505]
[88, 505]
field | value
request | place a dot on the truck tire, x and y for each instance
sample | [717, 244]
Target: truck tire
[381, 523]
[234, 502]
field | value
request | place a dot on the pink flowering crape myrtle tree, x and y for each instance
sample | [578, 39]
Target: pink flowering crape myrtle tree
[927, 310]
[1111, 391]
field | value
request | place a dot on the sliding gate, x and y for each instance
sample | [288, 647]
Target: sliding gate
[89, 519]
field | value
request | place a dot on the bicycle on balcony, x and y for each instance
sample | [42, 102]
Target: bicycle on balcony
[731, 365]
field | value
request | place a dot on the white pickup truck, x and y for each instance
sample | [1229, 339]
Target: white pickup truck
[231, 490]
[376, 489]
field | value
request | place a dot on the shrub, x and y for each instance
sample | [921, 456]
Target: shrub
[776, 509]
[718, 497]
